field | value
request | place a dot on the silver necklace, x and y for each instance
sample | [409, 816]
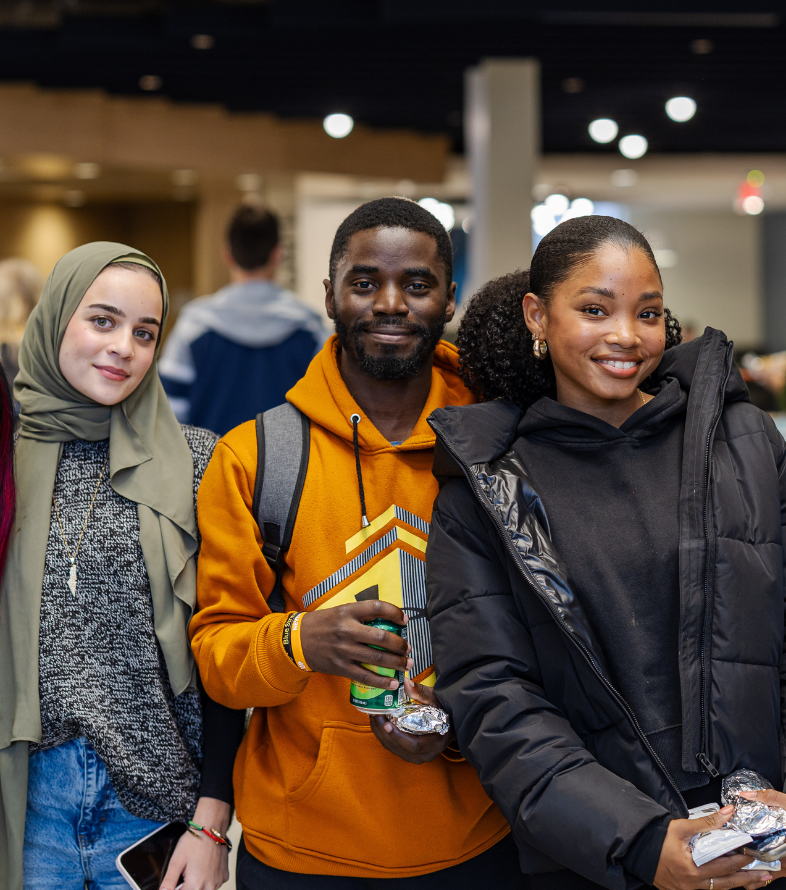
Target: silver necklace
[72, 558]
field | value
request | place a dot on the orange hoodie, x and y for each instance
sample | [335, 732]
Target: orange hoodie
[315, 791]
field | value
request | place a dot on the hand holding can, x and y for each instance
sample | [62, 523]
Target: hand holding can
[373, 699]
[339, 641]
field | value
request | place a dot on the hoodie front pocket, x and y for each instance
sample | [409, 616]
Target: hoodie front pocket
[356, 791]
[359, 798]
[326, 742]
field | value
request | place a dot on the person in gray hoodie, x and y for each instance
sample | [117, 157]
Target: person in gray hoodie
[238, 352]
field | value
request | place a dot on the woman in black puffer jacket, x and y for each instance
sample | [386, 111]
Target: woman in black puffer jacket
[605, 568]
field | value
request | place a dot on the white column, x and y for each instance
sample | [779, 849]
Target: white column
[502, 135]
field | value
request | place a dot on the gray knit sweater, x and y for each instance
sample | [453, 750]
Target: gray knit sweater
[102, 672]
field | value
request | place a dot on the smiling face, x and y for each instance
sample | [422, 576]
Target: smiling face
[110, 341]
[605, 330]
[390, 302]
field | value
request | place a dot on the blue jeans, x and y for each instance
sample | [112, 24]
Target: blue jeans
[75, 825]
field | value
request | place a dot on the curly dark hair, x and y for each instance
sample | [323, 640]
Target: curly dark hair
[495, 345]
[392, 213]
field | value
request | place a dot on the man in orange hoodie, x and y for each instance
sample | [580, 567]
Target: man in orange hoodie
[327, 796]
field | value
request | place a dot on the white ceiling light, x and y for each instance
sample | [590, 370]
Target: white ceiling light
[557, 209]
[603, 130]
[443, 212]
[633, 146]
[543, 219]
[753, 205]
[557, 204]
[578, 207]
[581, 207]
[338, 125]
[681, 109]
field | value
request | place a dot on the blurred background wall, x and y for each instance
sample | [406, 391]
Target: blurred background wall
[147, 121]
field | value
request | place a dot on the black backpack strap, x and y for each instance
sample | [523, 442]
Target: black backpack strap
[282, 461]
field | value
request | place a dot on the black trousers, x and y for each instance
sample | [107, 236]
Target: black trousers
[497, 868]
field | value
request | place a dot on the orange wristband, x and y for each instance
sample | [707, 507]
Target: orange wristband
[297, 646]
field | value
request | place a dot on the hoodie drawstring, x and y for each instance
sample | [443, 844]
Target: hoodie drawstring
[364, 523]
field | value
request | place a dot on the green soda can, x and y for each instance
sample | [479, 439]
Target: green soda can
[369, 699]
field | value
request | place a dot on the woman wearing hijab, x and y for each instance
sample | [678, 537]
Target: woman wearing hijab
[100, 716]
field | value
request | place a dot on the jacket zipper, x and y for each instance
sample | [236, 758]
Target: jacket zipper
[588, 655]
[706, 764]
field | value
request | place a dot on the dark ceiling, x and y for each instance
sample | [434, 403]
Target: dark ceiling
[400, 63]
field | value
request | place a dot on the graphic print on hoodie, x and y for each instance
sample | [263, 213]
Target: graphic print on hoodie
[398, 578]
[315, 790]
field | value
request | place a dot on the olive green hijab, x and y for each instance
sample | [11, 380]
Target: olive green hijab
[149, 463]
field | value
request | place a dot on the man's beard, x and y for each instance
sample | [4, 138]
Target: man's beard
[391, 367]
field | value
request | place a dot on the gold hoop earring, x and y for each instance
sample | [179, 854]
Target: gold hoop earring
[540, 348]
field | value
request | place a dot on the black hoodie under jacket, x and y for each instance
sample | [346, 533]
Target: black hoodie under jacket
[521, 670]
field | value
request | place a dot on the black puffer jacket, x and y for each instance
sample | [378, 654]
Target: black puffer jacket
[520, 669]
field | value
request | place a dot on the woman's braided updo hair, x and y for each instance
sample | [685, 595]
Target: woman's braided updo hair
[495, 345]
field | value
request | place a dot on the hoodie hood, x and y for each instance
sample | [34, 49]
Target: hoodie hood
[685, 361]
[324, 398]
[255, 314]
[551, 421]
[484, 432]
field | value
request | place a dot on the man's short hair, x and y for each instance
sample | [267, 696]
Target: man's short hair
[391, 213]
[252, 234]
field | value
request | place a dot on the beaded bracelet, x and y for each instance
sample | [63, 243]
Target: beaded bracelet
[212, 833]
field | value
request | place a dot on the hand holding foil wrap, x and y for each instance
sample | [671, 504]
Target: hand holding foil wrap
[418, 731]
[751, 816]
[419, 719]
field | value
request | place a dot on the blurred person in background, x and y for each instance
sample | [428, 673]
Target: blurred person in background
[761, 395]
[237, 353]
[20, 287]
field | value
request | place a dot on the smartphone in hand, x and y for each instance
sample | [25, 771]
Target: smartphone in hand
[145, 863]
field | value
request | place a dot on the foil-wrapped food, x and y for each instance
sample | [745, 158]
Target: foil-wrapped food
[751, 816]
[710, 844]
[419, 719]
[772, 842]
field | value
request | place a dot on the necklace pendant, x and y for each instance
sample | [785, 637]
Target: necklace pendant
[72, 578]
